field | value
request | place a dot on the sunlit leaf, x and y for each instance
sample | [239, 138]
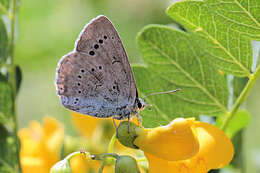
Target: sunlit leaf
[222, 29]
[242, 16]
[174, 60]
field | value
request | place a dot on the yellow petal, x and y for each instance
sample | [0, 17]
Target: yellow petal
[85, 124]
[215, 147]
[40, 145]
[216, 151]
[53, 133]
[79, 164]
[176, 141]
[186, 166]
[33, 164]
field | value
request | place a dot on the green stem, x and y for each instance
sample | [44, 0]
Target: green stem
[71, 155]
[111, 144]
[100, 170]
[241, 98]
[13, 79]
[77, 153]
[104, 156]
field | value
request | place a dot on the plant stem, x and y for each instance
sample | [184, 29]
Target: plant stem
[77, 153]
[100, 170]
[241, 98]
[13, 79]
[111, 144]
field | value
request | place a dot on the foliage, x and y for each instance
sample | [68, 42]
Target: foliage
[206, 60]
[9, 151]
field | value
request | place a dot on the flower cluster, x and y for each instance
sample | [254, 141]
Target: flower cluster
[184, 145]
[40, 145]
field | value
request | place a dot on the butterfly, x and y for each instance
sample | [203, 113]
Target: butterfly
[96, 78]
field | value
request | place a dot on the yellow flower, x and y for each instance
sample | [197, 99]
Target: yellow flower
[215, 148]
[40, 145]
[176, 141]
[85, 125]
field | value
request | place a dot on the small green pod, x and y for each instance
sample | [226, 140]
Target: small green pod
[126, 134]
[126, 164]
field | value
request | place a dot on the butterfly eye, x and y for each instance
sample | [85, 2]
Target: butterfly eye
[139, 105]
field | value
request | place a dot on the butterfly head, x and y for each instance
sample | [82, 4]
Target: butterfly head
[140, 104]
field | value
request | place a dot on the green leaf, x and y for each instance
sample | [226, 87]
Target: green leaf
[6, 103]
[174, 60]
[242, 16]
[239, 121]
[8, 149]
[223, 29]
[3, 43]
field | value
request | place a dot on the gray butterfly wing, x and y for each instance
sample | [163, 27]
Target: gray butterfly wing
[96, 79]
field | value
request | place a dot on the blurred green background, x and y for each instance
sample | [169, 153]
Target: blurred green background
[48, 30]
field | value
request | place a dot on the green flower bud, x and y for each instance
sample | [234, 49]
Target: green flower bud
[62, 166]
[126, 164]
[127, 136]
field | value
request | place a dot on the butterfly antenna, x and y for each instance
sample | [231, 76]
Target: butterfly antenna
[165, 92]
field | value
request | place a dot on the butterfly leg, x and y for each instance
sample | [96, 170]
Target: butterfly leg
[115, 127]
[128, 117]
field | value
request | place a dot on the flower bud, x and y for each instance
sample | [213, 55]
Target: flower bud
[126, 134]
[126, 164]
[62, 166]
